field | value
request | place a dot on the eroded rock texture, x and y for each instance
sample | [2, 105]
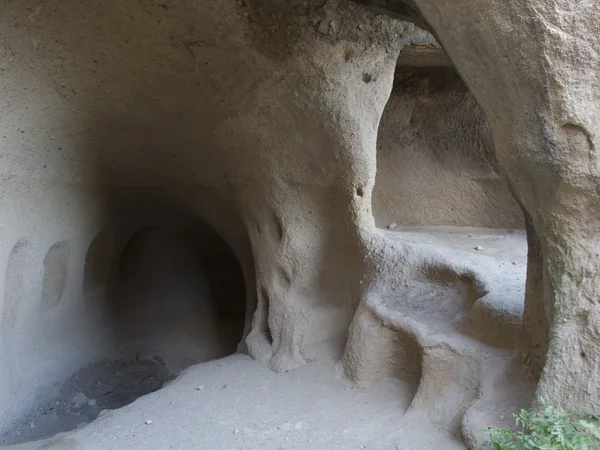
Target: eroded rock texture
[260, 120]
[435, 156]
[238, 139]
[532, 67]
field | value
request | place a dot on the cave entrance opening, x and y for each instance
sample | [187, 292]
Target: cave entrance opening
[162, 291]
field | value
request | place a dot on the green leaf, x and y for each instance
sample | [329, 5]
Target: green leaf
[593, 429]
[550, 429]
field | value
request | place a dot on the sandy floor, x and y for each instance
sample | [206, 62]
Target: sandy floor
[237, 403]
[107, 384]
[505, 245]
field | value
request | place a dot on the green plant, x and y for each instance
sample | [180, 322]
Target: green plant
[550, 429]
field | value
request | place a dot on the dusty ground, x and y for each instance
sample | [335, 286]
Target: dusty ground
[237, 403]
[99, 387]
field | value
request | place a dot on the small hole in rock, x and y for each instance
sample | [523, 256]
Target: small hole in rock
[367, 78]
[55, 275]
[583, 355]
[360, 192]
[97, 261]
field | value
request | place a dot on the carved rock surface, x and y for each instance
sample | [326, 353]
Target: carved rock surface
[249, 153]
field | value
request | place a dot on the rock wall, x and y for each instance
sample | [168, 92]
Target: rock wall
[533, 68]
[435, 156]
[260, 119]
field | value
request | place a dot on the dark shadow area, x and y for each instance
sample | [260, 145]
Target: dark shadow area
[174, 287]
[166, 291]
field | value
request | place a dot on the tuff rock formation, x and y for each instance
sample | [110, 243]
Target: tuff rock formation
[188, 178]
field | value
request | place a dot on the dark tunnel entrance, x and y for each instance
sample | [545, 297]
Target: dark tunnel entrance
[164, 291]
[179, 294]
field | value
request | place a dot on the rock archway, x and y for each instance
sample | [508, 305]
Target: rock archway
[532, 67]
